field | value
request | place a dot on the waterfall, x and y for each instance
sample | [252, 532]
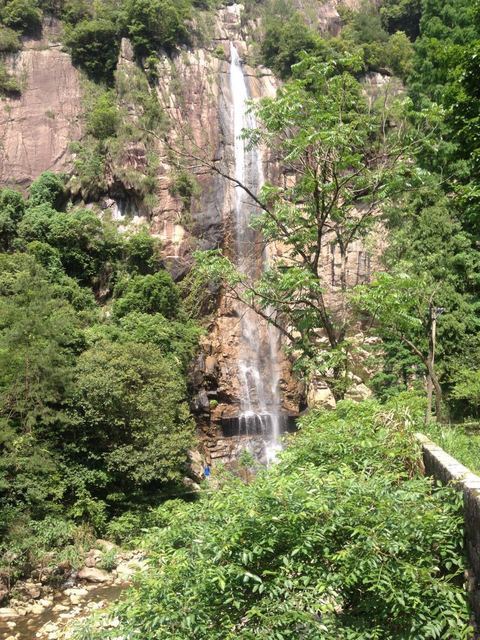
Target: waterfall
[258, 359]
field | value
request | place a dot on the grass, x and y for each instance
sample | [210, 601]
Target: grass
[460, 441]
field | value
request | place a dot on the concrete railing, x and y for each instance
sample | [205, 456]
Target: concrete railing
[443, 467]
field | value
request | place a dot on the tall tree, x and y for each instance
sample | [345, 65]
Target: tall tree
[340, 161]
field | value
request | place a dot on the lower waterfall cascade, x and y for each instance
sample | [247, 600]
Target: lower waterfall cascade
[259, 342]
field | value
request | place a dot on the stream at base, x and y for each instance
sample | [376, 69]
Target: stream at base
[49, 624]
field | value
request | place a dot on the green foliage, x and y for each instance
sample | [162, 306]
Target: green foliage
[102, 119]
[9, 85]
[12, 208]
[156, 24]
[341, 539]
[185, 186]
[49, 188]
[402, 15]
[132, 402]
[109, 561]
[93, 413]
[9, 40]
[147, 294]
[86, 247]
[143, 252]
[283, 43]
[22, 15]
[94, 46]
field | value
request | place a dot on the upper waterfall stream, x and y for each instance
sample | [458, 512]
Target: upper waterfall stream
[258, 362]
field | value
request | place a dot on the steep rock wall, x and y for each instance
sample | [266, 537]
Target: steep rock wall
[37, 128]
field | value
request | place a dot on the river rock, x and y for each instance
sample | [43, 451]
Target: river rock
[36, 609]
[92, 574]
[79, 592]
[7, 613]
[33, 590]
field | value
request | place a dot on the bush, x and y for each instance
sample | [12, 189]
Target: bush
[22, 15]
[285, 41]
[147, 294]
[156, 24]
[102, 119]
[9, 85]
[94, 46]
[142, 253]
[342, 541]
[131, 402]
[9, 40]
[49, 188]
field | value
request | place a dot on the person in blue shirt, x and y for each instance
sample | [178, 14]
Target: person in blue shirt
[206, 471]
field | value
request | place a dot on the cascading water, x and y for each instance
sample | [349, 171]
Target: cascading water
[258, 361]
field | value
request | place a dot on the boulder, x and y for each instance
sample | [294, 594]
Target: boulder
[7, 613]
[92, 574]
[358, 393]
[320, 397]
[32, 589]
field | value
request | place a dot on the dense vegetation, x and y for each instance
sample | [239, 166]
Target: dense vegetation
[342, 539]
[94, 346]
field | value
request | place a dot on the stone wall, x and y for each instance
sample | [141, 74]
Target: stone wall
[443, 467]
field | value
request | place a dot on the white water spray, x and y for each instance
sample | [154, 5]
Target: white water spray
[258, 362]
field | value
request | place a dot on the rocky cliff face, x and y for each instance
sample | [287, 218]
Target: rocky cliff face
[194, 91]
[37, 128]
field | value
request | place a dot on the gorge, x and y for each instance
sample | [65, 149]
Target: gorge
[233, 235]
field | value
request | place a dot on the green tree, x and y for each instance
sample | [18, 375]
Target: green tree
[284, 41]
[341, 539]
[156, 24]
[94, 46]
[103, 118]
[147, 294]
[12, 207]
[48, 188]
[87, 247]
[345, 166]
[402, 15]
[22, 15]
[132, 405]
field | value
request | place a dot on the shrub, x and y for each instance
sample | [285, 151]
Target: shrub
[49, 188]
[12, 207]
[156, 24]
[102, 119]
[147, 294]
[9, 40]
[347, 542]
[94, 46]
[22, 15]
[142, 253]
[9, 85]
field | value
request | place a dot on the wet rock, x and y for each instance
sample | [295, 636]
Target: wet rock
[92, 574]
[79, 592]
